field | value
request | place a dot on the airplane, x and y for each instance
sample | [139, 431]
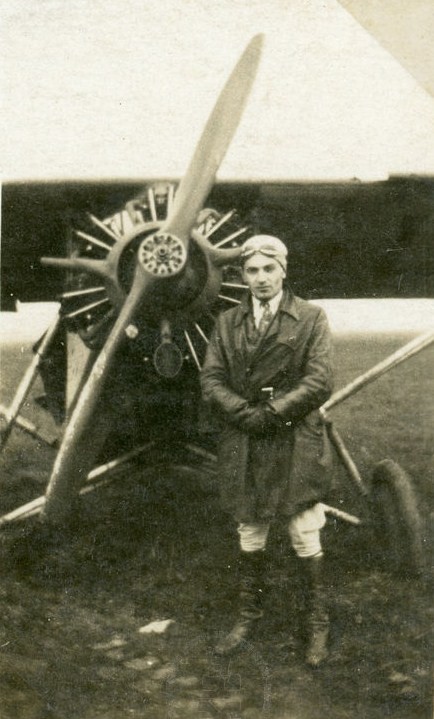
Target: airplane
[145, 280]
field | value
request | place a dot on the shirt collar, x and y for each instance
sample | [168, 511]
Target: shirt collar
[258, 305]
[288, 304]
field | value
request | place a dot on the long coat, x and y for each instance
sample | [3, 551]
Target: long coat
[288, 468]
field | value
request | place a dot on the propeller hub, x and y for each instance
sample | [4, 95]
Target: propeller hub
[162, 254]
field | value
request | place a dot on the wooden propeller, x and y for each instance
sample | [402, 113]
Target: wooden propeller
[85, 430]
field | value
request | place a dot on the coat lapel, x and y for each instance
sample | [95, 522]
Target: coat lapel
[282, 330]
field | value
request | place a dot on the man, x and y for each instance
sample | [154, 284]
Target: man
[266, 372]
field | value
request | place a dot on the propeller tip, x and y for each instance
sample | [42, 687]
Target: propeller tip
[257, 41]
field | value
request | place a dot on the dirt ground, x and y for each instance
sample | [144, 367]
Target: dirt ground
[154, 546]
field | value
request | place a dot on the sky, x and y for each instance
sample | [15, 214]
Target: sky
[121, 89]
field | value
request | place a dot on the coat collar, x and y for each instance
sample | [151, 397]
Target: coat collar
[288, 305]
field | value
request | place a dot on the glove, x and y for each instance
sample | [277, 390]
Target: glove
[261, 420]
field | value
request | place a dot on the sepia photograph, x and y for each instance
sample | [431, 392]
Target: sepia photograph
[217, 359]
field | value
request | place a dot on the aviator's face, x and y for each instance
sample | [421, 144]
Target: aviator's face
[264, 276]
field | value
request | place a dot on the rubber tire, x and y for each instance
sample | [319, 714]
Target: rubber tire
[397, 522]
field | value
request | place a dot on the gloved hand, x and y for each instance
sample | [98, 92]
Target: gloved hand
[261, 420]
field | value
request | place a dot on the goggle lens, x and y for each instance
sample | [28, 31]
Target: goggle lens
[268, 251]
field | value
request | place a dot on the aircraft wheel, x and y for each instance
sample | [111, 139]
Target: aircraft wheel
[397, 522]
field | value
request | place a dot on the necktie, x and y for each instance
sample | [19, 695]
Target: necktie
[266, 318]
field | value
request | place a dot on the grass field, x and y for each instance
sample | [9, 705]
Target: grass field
[154, 545]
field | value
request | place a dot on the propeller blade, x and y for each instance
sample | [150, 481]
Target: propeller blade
[219, 257]
[78, 264]
[213, 144]
[80, 443]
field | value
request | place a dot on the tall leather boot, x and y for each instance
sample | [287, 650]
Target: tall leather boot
[251, 569]
[317, 618]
